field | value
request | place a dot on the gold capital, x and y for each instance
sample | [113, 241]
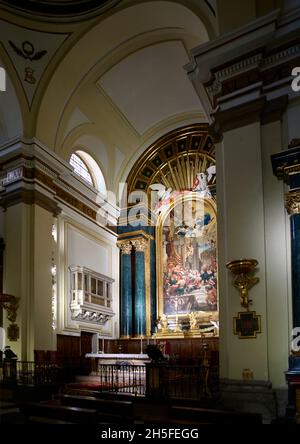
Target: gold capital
[292, 202]
[125, 247]
[140, 245]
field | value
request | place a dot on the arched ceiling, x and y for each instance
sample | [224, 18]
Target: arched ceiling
[112, 84]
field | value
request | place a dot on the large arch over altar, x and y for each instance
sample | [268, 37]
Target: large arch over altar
[168, 240]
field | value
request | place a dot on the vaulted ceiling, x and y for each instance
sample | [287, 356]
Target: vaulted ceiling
[111, 82]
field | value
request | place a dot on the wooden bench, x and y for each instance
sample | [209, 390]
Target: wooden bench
[212, 416]
[108, 409]
[73, 415]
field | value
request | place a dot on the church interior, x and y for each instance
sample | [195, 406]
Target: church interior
[150, 211]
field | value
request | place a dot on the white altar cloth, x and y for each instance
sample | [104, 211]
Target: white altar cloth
[118, 356]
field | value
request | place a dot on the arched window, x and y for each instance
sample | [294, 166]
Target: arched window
[88, 169]
[81, 169]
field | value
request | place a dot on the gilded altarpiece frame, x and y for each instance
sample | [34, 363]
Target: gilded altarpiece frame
[187, 281]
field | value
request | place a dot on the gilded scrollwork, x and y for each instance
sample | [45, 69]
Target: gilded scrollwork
[292, 202]
[140, 245]
[125, 247]
[244, 280]
[10, 304]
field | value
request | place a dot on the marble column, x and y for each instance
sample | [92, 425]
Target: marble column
[126, 290]
[286, 166]
[140, 246]
[293, 208]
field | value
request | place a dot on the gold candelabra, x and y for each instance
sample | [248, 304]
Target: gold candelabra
[243, 270]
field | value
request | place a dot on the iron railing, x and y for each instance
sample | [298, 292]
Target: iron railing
[30, 373]
[130, 379]
[160, 380]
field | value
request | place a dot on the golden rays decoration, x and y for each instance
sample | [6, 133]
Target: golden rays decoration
[174, 160]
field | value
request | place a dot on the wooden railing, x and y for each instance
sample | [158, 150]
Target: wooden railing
[181, 381]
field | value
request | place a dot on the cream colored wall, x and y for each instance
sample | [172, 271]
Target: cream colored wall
[252, 223]
[241, 234]
[82, 243]
[27, 275]
[18, 272]
[44, 337]
[278, 273]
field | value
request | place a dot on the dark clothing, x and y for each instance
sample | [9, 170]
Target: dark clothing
[9, 354]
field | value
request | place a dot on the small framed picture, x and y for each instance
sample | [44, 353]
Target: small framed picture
[247, 325]
[13, 332]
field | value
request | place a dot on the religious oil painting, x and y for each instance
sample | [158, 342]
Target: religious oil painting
[189, 258]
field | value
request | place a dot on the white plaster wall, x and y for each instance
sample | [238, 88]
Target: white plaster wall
[44, 337]
[84, 244]
[18, 271]
[241, 234]
[277, 242]
[86, 252]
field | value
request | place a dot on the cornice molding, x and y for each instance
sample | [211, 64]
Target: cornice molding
[32, 175]
[248, 71]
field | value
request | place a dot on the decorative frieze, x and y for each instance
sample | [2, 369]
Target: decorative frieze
[251, 82]
[28, 178]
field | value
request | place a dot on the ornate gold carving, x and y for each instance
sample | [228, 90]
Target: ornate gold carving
[140, 245]
[125, 247]
[174, 160]
[10, 304]
[292, 202]
[136, 233]
[191, 197]
[294, 143]
[247, 374]
[243, 270]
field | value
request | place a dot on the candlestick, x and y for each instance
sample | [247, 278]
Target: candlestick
[141, 344]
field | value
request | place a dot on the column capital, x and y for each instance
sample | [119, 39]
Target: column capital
[292, 202]
[125, 247]
[140, 245]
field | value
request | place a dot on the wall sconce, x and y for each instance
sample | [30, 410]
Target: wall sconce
[10, 304]
[243, 270]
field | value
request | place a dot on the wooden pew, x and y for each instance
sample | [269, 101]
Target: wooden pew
[109, 410]
[42, 412]
[212, 416]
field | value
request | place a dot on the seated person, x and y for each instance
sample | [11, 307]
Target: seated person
[9, 354]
